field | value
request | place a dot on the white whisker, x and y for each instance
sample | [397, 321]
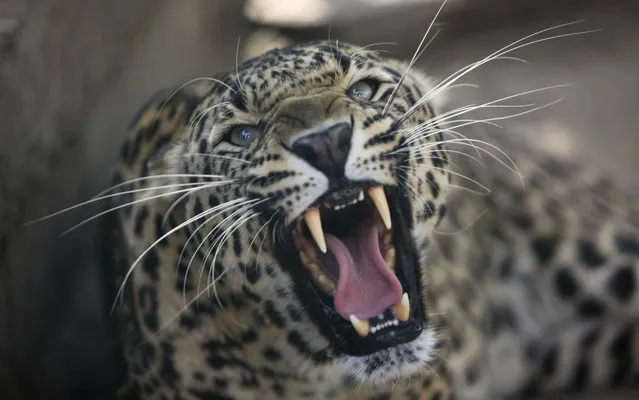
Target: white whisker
[490, 121]
[190, 190]
[467, 189]
[430, 41]
[461, 153]
[223, 238]
[196, 120]
[255, 237]
[412, 61]
[101, 195]
[105, 197]
[243, 203]
[493, 56]
[470, 142]
[184, 196]
[160, 239]
[465, 227]
[243, 208]
[206, 155]
[182, 86]
[446, 117]
[364, 49]
[419, 196]
[237, 73]
[460, 175]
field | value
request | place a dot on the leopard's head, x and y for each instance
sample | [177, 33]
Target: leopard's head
[339, 177]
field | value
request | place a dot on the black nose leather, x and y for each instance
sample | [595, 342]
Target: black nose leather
[326, 150]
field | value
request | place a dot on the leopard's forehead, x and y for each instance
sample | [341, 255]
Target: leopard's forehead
[260, 82]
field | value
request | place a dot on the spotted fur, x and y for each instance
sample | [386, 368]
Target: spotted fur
[538, 294]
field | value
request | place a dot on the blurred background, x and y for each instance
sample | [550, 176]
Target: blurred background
[73, 72]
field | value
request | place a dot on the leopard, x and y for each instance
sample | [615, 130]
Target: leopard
[311, 224]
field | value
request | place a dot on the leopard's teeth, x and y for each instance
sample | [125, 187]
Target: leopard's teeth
[387, 238]
[384, 325]
[314, 223]
[361, 326]
[321, 279]
[304, 258]
[402, 310]
[325, 283]
[389, 257]
[379, 199]
[313, 267]
[361, 196]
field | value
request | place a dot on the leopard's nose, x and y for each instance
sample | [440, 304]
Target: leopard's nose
[326, 150]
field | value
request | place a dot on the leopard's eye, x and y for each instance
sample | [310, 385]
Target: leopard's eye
[363, 90]
[242, 135]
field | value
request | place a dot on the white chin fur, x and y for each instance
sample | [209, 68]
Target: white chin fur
[392, 364]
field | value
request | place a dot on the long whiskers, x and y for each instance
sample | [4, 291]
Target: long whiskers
[182, 86]
[499, 54]
[465, 227]
[413, 59]
[470, 142]
[149, 248]
[196, 120]
[188, 304]
[364, 50]
[237, 66]
[177, 201]
[445, 117]
[243, 203]
[103, 194]
[218, 244]
[157, 196]
[250, 246]
[208, 155]
[231, 216]
[430, 127]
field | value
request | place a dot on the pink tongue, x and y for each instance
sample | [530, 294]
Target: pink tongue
[366, 285]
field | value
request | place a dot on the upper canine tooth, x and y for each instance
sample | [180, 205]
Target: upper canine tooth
[379, 199]
[314, 223]
[362, 326]
[402, 310]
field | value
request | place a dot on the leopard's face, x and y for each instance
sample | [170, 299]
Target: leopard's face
[338, 178]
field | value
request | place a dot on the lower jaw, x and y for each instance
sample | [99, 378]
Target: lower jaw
[344, 339]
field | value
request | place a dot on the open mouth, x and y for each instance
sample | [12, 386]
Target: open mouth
[359, 276]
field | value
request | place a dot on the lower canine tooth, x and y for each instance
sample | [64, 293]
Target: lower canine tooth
[402, 310]
[362, 326]
[314, 223]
